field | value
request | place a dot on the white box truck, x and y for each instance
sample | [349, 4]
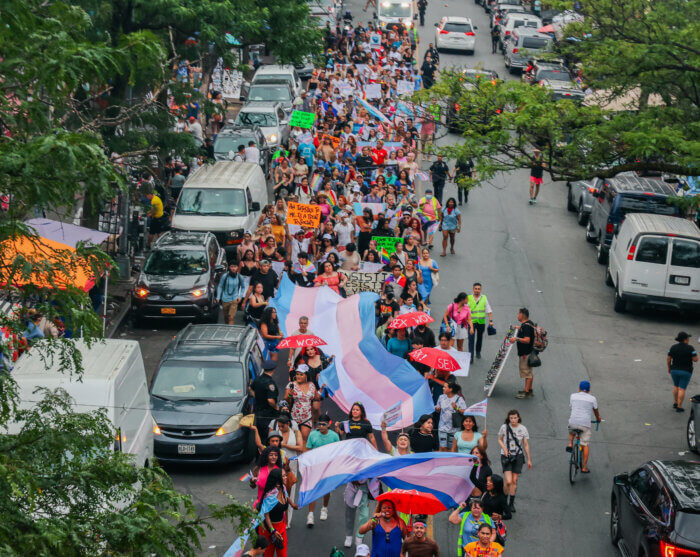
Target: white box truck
[113, 378]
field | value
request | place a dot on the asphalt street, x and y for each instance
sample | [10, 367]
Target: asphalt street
[537, 257]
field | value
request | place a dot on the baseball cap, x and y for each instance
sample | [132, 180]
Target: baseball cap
[584, 386]
[327, 237]
[356, 188]
[269, 364]
[362, 550]
[682, 336]
[192, 118]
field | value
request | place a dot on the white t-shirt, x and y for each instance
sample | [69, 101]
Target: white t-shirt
[252, 154]
[520, 432]
[344, 233]
[582, 405]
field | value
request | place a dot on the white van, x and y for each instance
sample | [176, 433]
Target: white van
[223, 198]
[114, 378]
[655, 260]
[273, 73]
[393, 11]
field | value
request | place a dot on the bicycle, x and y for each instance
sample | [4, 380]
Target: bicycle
[576, 458]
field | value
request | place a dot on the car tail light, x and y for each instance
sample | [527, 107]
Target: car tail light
[593, 191]
[470, 34]
[630, 253]
[515, 51]
[609, 228]
[507, 33]
[671, 550]
[443, 32]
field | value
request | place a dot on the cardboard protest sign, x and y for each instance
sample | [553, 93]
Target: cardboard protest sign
[302, 119]
[404, 87]
[373, 90]
[303, 214]
[375, 40]
[335, 141]
[386, 243]
[364, 282]
[369, 267]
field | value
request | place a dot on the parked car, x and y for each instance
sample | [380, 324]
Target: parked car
[581, 197]
[305, 69]
[622, 195]
[272, 92]
[231, 136]
[691, 429]
[523, 44]
[514, 20]
[492, 5]
[199, 393]
[325, 8]
[275, 73]
[270, 117]
[655, 260]
[501, 11]
[179, 277]
[456, 33]
[655, 510]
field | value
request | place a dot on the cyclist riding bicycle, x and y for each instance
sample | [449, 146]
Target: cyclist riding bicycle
[582, 404]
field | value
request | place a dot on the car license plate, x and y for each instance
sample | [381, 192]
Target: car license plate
[185, 449]
[168, 311]
[681, 280]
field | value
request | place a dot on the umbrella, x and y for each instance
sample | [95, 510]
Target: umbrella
[546, 29]
[301, 341]
[410, 501]
[410, 319]
[435, 358]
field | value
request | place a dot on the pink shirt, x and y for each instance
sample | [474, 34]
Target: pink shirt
[461, 317]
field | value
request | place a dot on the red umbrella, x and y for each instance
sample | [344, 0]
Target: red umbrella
[435, 358]
[410, 501]
[300, 341]
[546, 29]
[410, 319]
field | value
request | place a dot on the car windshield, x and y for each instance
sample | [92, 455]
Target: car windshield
[559, 75]
[458, 27]
[647, 204]
[534, 43]
[269, 92]
[526, 23]
[256, 119]
[392, 9]
[212, 201]
[229, 145]
[178, 380]
[275, 78]
[176, 262]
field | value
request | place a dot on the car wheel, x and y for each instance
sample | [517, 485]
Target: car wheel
[590, 237]
[619, 305]
[690, 433]
[601, 253]
[615, 533]
[581, 216]
[608, 277]
[569, 201]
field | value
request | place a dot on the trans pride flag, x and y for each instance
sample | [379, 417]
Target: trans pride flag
[445, 475]
[362, 370]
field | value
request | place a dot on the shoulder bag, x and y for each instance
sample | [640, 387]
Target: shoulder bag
[457, 416]
[511, 458]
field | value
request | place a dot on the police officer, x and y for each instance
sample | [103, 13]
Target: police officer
[422, 5]
[266, 393]
[434, 54]
[464, 167]
[439, 172]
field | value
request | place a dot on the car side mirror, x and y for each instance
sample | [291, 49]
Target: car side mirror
[616, 228]
[255, 206]
[621, 479]
[242, 98]
[220, 268]
[136, 267]
[475, 27]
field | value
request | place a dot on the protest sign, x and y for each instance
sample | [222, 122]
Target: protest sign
[335, 141]
[303, 214]
[369, 267]
[373, 90]
[374, 207]
[305, 137]
[393, 415]
[364, 282]
[278, 267]
[302, 119]
[386, 243]
[404, 87]
[345, 88]
[375, 40]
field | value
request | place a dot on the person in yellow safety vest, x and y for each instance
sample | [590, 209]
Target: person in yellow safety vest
[480, 307]
[430, 215]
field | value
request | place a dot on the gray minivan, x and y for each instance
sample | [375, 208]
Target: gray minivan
[199, 393]
[523, 44]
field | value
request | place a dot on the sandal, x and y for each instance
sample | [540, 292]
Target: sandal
[585, 471]
[452, 252]
[443, 255]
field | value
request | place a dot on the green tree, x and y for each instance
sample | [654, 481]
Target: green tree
[643, 60]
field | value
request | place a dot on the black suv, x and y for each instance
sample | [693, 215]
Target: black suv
[619, 196]
[179, 277]
[655, 510]
[199, 393]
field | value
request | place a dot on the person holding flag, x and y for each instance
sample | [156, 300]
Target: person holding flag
[429, 212]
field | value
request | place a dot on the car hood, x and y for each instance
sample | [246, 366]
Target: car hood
[209, 223]
[172, 283]
[269, 130]
[211, 413]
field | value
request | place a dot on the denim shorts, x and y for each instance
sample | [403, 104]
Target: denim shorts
[446, 439]
[681, 378]
[271, 346]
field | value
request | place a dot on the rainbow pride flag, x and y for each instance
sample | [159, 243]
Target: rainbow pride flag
[384, 255]
[316, 181]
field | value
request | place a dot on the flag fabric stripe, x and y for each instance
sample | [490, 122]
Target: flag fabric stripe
[478, 409]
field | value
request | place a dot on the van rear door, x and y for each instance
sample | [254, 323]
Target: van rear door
[647, 275]
[683, 275]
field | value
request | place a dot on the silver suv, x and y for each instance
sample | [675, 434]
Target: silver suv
[523, 44]
[270, 117]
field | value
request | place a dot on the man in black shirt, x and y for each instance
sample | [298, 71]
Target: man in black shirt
[365, 160]
[267, 277]
[428, 70]
[411, 129]
[463, 168]
[439, 172]
[680, 366]
[265, 391]
[525, 338]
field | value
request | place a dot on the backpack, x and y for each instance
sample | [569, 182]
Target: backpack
[540, 343]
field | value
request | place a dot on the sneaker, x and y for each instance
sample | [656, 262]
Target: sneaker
[324, 513]
[679, 409]
[358, 540]
[532, 201]
[310, 520]
[511, 507]
[521, 395]
[522, 392]
[675, 405]
[529, 394]
[478, 355]
[348, 541]
[471, 360]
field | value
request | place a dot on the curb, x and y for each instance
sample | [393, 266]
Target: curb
[120, 316]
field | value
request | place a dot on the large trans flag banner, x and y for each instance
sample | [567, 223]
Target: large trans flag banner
[362, 370]
[445, 475]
